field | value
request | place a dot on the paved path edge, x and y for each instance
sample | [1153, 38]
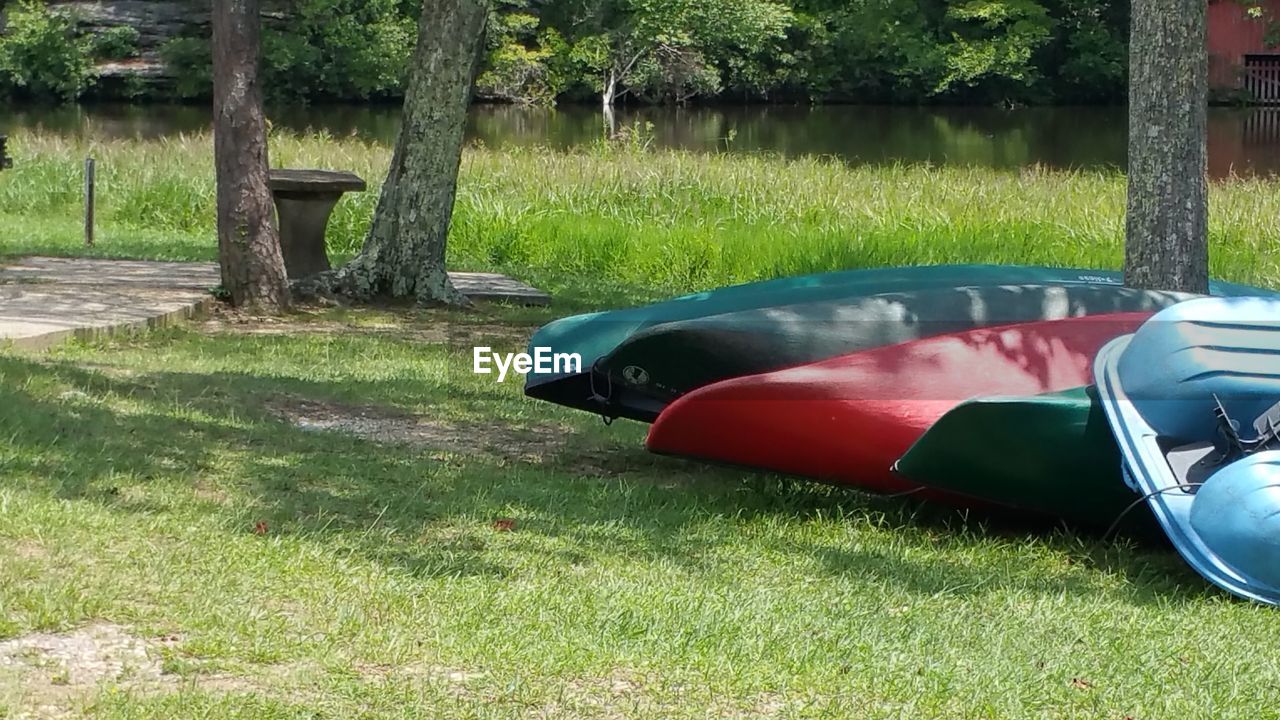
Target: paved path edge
[193, 311]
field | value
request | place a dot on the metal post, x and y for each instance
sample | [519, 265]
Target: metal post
[88, 200]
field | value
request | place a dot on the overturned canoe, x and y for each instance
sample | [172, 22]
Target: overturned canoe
[1192, 400]
[658, 365]
[595, 335]
[1051, 454]
[846, 420]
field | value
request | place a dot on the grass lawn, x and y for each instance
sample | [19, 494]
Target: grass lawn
[329, 516]
[618, 224]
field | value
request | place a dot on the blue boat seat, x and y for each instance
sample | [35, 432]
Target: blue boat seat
[1186, 355]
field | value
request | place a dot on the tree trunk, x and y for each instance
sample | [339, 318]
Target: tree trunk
[404, 254]
[248, 240]
[1166, 233]
[610, 119]
[609, 91]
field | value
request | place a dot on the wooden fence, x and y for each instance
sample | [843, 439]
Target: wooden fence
[1261, 78]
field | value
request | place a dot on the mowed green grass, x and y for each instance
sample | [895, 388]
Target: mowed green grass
[157, 483]
[151, 482]
[630, 223]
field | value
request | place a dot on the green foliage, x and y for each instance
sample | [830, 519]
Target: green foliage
[526, 62]
[873, 51]
[991, 43]
[1089, 56]
[339, 49]
[542, 51]
[673, 50]
[41, 56]
[1260, 12]
[116, 43]
[190, 59]
[987, 51]
[328, 50]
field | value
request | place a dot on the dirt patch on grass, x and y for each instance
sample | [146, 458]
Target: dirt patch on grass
[550, 446]
[618, 695]
[384, 425]
[48, 675]
[27, 550]
[625, 693]
[205, 491]
[459, 682]
[423, 326]
[112, 372]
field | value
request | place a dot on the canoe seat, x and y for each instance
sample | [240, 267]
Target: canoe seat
[1187, 360]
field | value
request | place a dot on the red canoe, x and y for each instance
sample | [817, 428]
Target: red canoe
[846, 420]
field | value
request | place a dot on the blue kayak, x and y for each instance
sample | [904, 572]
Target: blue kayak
[1192, 398]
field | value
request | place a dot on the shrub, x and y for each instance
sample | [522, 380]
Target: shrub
[116, 43]
[329, 50]
[190, 61]
[339, 49]
[41, 56]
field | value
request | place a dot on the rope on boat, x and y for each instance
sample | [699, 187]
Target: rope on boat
[1115, 524]
[904, 493]
[603, 400]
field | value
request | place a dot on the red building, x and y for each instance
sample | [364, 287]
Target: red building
[1244, 47]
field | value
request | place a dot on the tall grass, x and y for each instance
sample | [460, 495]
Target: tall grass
[666, 221]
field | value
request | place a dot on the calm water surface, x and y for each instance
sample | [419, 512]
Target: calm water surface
[1241, 141]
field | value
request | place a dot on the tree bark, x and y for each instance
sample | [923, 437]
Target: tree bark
[404, 253]
[1166, 231]
[248, 241]
[610, 89]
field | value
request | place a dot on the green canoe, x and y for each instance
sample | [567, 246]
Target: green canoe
[596, 334]
[1050, 454]
[659, 364]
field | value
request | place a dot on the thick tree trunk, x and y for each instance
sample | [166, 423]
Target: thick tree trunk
[248, 240]
[1166, 233]
[404, 254]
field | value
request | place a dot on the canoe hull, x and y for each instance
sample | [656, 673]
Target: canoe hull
[1050, 454]
[658, 365]
[846, 420]
[594, 335]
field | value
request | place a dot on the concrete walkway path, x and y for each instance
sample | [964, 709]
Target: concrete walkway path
[44, 301]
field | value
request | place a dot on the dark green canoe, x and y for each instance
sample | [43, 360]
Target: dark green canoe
[659, 364]
[594, 335]
[1050, 454]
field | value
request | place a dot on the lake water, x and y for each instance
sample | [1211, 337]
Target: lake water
[1241, 141]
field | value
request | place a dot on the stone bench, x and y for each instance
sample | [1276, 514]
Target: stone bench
[304, 201]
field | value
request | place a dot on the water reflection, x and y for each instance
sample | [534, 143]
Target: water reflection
[1241, 141]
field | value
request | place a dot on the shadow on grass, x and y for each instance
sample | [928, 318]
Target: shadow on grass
[207, 443]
